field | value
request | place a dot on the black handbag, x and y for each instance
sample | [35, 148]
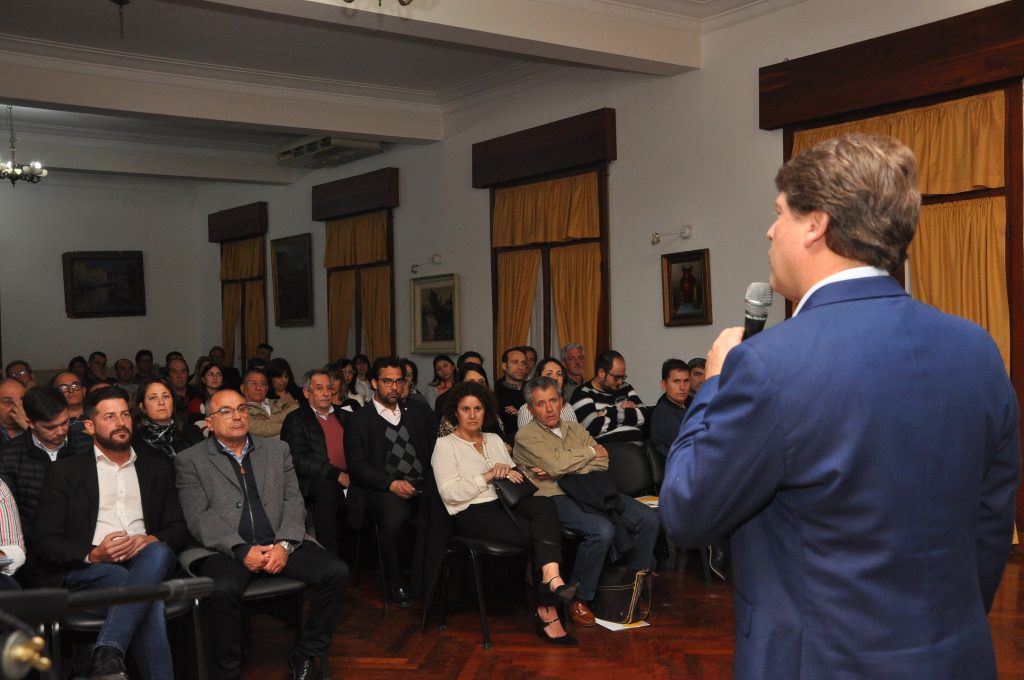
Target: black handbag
[510, 493]
[623, 595]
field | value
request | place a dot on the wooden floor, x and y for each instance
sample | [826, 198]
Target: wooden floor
[690, 636]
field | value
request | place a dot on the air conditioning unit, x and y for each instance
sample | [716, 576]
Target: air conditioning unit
[326, 152]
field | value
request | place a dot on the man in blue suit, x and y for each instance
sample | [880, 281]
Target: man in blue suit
[870, 519]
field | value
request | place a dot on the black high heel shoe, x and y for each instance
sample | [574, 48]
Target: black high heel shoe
[564, 592]
[540, 625]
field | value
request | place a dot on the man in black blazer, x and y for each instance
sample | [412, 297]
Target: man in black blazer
[315, 434]
[388, 447]
[112, 519]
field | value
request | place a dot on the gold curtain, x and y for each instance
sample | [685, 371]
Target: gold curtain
[555, 210]
[958, 264]
[231, 309]
[376, 302]
[517, 285]
[241, 259]
[341, 298]
[255, 330]
[362, 239]
[958, 144]
[576, 289]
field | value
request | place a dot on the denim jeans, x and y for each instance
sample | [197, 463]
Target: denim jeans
[141, 623]
[598, 531]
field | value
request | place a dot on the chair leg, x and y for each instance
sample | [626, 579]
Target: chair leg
[356, 561]
[448, 554]
[706, 565]
[325, 669]
[197, 641]
[383, 571]
[298, 616]
[431, 591]
[52, 637]
[480, 599]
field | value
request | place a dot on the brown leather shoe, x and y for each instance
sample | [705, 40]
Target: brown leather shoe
[580, 613]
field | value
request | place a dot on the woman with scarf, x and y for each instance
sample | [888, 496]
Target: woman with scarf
[159, 427]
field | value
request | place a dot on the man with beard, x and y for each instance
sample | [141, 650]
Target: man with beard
[509, 390]
[113, 520]
[388, 447]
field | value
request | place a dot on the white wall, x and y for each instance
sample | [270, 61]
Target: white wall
[66, 213]
[690, 152]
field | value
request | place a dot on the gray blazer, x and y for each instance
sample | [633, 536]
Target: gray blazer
[211, 497]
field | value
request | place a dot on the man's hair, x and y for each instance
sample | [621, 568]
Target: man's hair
[258, 371]
[208, 404]
[470, 389]
[570, 347]
[673, 365]
[386, 362]
[538, 384]
[216, 347]
[526, 349]
[95, 354]
[605, 359]
[172, 355]
[143, 353]
[17, 362]
[177, 357]
[43, 402]
[697, 362]
[504, 355]
[264, 345]
[53, 380]
[307, 377]
[867, 185]
[470, 354]
[123, 359]
[92, 399]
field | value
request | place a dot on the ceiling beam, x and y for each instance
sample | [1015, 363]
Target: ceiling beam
[576, 32]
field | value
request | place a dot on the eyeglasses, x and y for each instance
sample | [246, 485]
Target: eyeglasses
[227, 411]
[17, 374]
[388, 382]
[211, 374]
[70, 387]
[618, 378]
[255, 383]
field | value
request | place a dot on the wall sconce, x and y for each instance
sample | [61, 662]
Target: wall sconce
[685, 232]
[434, 259]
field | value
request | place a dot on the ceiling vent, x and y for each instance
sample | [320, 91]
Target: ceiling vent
[326, 152]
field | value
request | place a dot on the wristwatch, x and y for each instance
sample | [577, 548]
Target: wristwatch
[288, 546]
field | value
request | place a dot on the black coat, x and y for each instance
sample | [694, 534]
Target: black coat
[64, 532]
[305, 438]
[23, 467]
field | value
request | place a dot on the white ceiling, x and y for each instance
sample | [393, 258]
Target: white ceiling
[249, 77]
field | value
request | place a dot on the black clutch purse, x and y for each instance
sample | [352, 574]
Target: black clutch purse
[510, 493]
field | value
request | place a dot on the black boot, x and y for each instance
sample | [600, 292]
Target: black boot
[107, 663]
[300, 666]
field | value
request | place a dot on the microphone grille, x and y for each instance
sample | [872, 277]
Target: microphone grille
[758, 298]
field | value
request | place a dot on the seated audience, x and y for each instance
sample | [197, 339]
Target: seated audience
[12, 542]
[573, 356]
[124, 377]
[471, 373]
[144, 367]
[112, 519]
[531, 358]
[232, 378]
[251, 526]
[315, 434]
[555, 450]
[12, 413]
[74, 393]
[696, 367]
[22, 372]
[509, 390]
[264, 352]
[362, 380]
[97, 369]
[208, 381]
[266, 415]
[470, 357]
[388, 446]
[549, 368]
[278, 369]
[78, 366]
[608, 406]
[671, 407]
[343, 384]
[177, 378]
[160, 425]
[412, 376]
[444, 378]
[465, 463]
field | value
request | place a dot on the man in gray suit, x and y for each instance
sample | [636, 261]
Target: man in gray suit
[241, 501]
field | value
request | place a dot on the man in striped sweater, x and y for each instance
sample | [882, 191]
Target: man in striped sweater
[607, 406]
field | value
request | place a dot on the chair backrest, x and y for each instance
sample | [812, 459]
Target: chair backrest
[656, 462]
[629, 468]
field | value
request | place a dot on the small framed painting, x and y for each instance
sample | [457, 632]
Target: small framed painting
[293, 280]
[686, 288]
[104, 283]
[435, 314]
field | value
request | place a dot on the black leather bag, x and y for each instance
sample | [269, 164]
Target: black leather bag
[510, 493]
[623, 595]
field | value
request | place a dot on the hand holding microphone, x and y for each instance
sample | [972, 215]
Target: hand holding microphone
[758, 299]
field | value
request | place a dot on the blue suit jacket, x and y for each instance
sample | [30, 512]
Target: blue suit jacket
[865, 455]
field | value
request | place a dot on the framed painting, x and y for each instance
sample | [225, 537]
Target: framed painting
[292, 264]
[104, 283]
[435, 314]
[686, 288]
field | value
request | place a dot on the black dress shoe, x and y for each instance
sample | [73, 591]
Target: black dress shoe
[107, 663]
[300, 667]
[400, 598]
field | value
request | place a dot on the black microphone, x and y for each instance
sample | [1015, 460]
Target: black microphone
[758, 298]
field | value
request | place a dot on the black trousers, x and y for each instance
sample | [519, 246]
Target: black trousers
[223, 608]
[326, 501]
[394, 515]
[537, 516]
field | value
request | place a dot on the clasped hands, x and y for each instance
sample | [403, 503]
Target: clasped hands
[268, 558]
[118, 546]
[503, 471]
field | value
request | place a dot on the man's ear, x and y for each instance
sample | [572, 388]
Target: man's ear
[818, 221]
[89, 427]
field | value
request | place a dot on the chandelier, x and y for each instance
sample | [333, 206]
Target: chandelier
[31, 173]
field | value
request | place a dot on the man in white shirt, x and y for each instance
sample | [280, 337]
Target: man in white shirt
[112, 519]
